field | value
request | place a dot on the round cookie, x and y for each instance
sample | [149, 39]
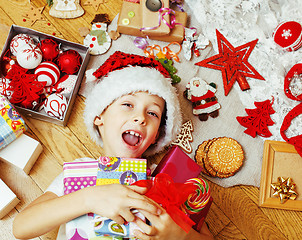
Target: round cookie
[225, 155]
[200, 155]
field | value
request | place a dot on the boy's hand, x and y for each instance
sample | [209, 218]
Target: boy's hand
[163, 227]
[115, 201]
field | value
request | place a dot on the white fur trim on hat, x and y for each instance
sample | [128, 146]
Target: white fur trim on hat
[129, 80]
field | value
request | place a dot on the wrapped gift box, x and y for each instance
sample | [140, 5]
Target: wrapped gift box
[130, 22]
[181, 168]
[178, 165]
[11, 123]
[105, 170]
[23, 152]
[8, 199]
[124, 171]
[64, 45]
[150, 19]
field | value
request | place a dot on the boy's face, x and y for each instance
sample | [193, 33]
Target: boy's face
[130, 124]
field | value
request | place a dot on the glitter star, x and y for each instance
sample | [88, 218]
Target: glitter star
[232, 62]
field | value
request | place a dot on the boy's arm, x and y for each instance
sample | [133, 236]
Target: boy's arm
[49, 211]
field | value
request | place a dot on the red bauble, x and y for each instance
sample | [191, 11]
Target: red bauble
[69, 61]
[50, 49]
[6, 65]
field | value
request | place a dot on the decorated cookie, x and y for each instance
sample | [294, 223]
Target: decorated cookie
[66, 9]
[220, 157]
[202, 96]
[184, 138]
[98, 40]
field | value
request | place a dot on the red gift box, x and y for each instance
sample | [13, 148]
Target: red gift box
[177, 165]
[288, 35]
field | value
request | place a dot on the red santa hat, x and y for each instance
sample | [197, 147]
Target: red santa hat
[122, 74]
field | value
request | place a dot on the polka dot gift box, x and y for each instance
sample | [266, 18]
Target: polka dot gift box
[105, 170]
[78, 175]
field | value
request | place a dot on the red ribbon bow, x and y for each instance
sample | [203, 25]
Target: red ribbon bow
[170, 196]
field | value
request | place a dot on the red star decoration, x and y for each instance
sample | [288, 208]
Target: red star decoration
[232, 62]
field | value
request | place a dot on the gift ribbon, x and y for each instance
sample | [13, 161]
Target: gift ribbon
[161, 13]
[166, 52]
[170, 196]
[284, 188]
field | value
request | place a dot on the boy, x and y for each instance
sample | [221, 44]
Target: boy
[132, 111]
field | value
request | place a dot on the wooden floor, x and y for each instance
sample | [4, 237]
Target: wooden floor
[234, 214]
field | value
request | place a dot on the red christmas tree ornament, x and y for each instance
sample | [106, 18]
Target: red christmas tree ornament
[232, 62]
[293, 83]
[288, 35]
[26, 90]
[50, 49]
[69, 61]
[258, 119]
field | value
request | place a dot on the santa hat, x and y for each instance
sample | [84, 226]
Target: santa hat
[122, 74]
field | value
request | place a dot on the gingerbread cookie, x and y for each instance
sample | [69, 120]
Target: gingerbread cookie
[220, 157]
[184, 138]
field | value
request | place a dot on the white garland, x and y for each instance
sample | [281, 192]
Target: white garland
[242, 21]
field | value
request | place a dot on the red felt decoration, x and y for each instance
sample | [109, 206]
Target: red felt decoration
[26, 90]
[232, 62]
[258, 119]
[296, 140]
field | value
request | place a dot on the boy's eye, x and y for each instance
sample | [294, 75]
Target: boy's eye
[127, 104]
[153, 114]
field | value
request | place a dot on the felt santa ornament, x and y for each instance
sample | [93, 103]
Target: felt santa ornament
[202, 96]
[122, 74]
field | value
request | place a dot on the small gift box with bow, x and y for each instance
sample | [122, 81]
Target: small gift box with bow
[153, 19]
[11, 123]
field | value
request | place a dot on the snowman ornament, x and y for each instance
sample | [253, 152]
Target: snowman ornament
[98, 40]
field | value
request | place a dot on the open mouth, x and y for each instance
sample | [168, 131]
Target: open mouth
[132, 138]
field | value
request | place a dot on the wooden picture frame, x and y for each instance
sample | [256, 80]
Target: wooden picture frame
[280, 159]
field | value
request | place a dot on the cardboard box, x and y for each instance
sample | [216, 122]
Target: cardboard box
[135, 23]
[8, 199]
[23, 152]
[150, 19]
[64, 45]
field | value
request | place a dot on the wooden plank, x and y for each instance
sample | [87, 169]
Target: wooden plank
[230, 232]
[244, 213]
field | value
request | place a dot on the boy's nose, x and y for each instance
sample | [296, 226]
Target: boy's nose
[140, 119]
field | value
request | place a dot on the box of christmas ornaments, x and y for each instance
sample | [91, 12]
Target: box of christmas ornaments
[41, 74]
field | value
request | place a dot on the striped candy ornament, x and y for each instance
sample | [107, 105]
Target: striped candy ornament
[198, 199]
[48, 72]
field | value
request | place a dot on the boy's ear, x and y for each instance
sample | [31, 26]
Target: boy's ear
[98, 121]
